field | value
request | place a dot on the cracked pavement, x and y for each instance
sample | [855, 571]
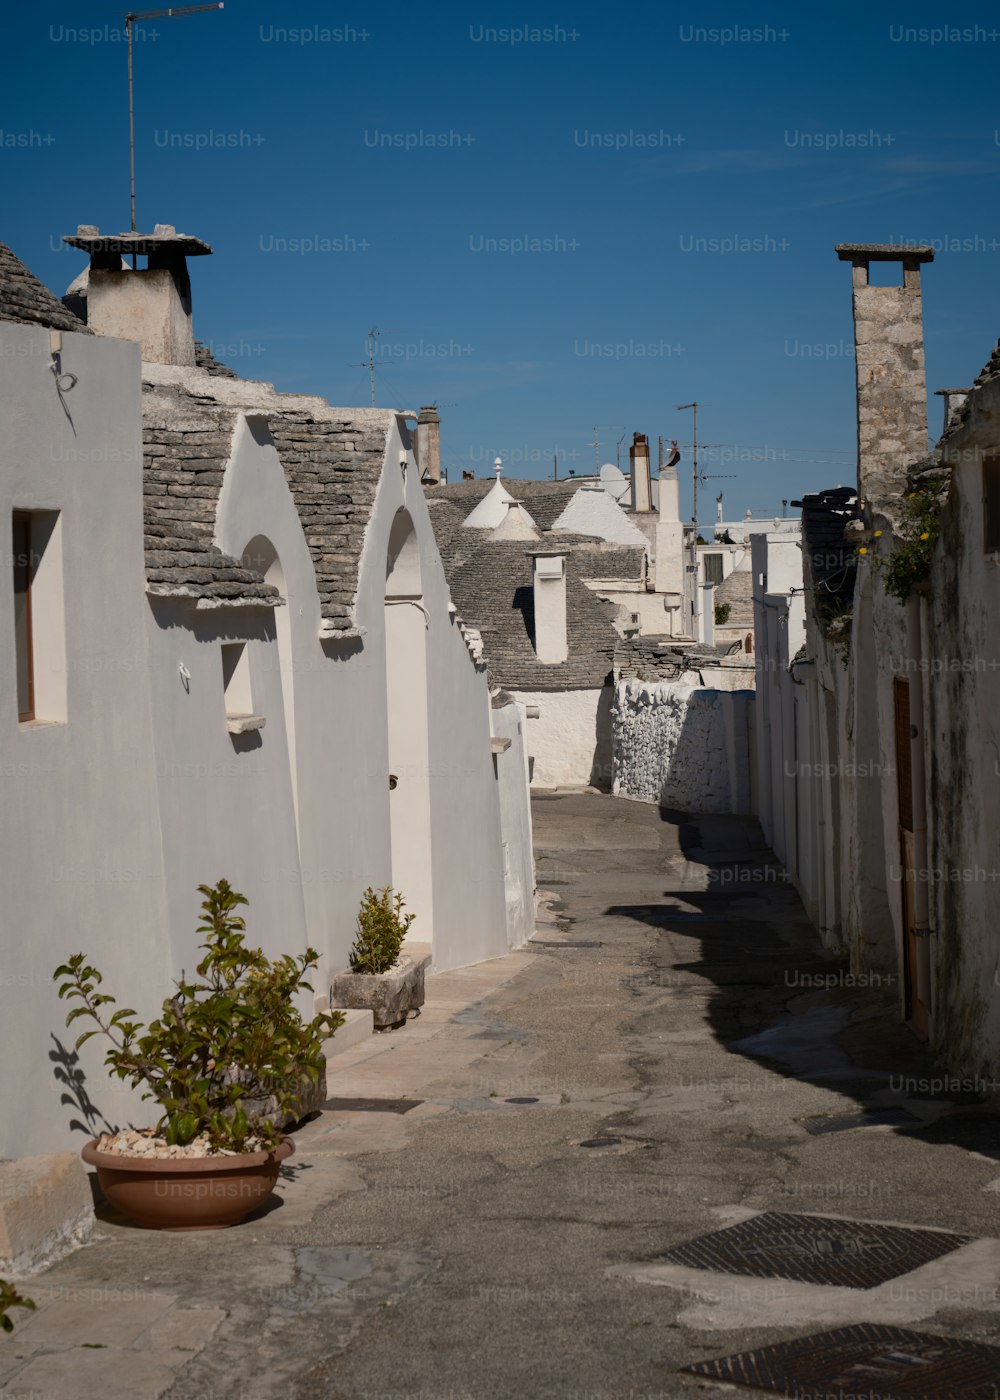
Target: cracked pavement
[434, 1240]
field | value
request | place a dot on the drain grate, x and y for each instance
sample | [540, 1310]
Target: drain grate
[865, 1360]
[371, 1105]
[815, 1249]
[565, 943]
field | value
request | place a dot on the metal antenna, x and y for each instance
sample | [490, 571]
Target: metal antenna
[369, 364]
[132, 18]
[695, 609]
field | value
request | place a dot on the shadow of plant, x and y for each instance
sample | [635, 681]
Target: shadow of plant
[68, 1073]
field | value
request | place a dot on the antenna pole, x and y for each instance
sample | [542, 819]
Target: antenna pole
[130, 20]
[131, 118]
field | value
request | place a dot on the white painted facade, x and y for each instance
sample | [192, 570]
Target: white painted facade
[135, 791]
[569, 741]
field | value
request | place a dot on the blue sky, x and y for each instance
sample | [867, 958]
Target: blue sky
[584, 226]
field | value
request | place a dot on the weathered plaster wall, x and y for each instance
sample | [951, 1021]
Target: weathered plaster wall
[683, 746]
[81, 857]
[569, 744]
[961, 677]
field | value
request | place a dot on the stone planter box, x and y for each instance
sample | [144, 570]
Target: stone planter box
[388, 995]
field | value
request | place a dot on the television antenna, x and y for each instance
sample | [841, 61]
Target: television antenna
[369, 364]
[131, 19]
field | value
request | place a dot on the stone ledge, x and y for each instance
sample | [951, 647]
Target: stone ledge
[46, 1210]
[359, 1025]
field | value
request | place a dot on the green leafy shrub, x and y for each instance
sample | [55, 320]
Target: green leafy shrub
[10, 1298]
[909, 564]
[230, 1042]
[381, 929]
[722, 611]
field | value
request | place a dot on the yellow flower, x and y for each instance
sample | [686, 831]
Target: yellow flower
[862, 550]
[877, 535]
[925, 535]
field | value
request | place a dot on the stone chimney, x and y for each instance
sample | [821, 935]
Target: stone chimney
[429, 445]
[891, 384]
[953, 401]
[549, 582]
[642, 496]
[151, 304]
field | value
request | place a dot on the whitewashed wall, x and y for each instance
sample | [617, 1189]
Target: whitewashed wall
[515, 820]
[683, 746]
[569, 744]
[81, 863]
[112, 816]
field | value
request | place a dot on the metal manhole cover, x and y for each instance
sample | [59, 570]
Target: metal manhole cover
[520, 1100]
[815, 1249]
[865, 1360]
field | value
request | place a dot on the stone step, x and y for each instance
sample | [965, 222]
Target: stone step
[46, 1210]
[358, 1026]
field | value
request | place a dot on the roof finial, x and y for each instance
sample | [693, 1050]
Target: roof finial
[497, 466]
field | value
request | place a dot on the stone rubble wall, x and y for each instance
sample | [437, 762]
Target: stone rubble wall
[683, 746]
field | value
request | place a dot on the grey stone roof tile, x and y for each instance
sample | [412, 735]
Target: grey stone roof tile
[491, 585]
[28, 302]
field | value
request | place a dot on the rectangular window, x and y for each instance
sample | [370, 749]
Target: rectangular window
[24, 661]
[39, 617]
[236, 680]
[713, 568]
[991, 505]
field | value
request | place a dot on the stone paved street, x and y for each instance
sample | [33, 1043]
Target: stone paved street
[445, 1232]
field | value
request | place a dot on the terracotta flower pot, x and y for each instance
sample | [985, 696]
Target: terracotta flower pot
[194, 1193]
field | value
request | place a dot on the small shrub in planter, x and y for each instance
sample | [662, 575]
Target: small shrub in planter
[10, 1298]
[382, 926]
[381, 979]
[226, 1060]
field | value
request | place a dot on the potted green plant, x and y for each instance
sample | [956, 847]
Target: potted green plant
[382, 978]
[226, 1061]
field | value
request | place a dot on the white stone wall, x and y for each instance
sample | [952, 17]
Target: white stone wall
[569, 744]
[683, 746]
[112, 816]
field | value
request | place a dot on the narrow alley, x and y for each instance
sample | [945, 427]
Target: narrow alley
[485, 1205]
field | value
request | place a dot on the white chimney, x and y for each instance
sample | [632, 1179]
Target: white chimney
[151, 304]
[549, 582]
[642, 498]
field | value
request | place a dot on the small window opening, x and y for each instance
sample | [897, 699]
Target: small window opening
[236, 680]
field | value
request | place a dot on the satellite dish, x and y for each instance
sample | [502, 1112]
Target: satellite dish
[614, 480]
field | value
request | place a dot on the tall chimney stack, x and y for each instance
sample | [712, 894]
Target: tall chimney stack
[891, 383]
[642, 496]
[549, 584]
[151, 304]
[429, 445]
